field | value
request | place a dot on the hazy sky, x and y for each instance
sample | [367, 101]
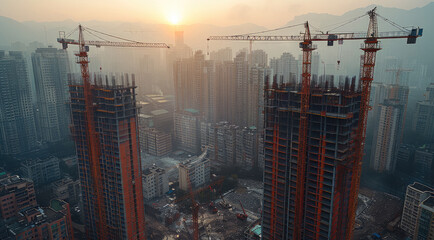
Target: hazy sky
[269, 13]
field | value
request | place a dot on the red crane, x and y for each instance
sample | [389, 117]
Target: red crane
[195, 205]
[370, 47]
[92, 136]
[241, 216]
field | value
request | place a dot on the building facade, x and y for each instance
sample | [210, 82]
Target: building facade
[67, 189]
[109, 164]
[388, 135]
[50, 69]
[424, 116]
[155, 142]
[155, 182]
[425, 220]
[416, 193]
[41, 171]
[17, 123]
[187, 130]
[16, 194]
[195, 170]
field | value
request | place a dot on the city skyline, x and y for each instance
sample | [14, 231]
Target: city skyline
[290, 136]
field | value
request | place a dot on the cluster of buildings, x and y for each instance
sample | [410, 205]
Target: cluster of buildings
[38, 114]
[386, 128]
[22, 218]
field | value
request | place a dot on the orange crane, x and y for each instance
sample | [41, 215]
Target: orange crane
[242, 216]
[370, 47]
[92, 136]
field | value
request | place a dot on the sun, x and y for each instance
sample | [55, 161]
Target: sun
[174, 18]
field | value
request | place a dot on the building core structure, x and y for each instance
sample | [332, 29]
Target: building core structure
[105, 129]
[332, 120]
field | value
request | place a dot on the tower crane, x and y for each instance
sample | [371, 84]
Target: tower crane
[370, 47]
[92, 136]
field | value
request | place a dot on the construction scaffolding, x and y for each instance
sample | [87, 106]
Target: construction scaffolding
[104, 126]
[331, 118]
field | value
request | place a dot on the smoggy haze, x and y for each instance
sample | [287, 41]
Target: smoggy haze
[269, 13]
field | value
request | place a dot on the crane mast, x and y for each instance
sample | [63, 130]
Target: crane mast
[92, 136]
[370, 48]
[307, 48]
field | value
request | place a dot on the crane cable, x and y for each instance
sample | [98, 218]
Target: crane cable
[346, 22]
[393, 23]
[271, 30]
[70, 33]
[93, 34]
[113, 36]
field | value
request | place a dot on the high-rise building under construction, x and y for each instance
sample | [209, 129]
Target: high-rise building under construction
[322, 189]
[106, 136]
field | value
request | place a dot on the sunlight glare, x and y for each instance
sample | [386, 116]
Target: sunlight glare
[174, 18]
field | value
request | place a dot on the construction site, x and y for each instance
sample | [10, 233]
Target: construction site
[314, 136]
[227, 216]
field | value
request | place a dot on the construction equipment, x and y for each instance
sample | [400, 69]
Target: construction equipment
[225, 204]
[242, 216]
[370, 47]
[212, 207]
[92, 136]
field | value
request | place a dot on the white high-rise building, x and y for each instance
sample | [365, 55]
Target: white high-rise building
[17, 123]
[50, 69]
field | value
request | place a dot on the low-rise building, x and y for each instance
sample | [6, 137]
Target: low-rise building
[416, 193]
[67, 189]
[155, 182]
[16, 194]
[41, 171]
[155, 142]
[53, 222]
[195, 170]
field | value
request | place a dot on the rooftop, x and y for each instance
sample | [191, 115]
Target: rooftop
[429, 202]
[421, 187]
[141, 115]
[57, 205]
[14, 179]
[159, 112]
[257, 230]
[191, 110]
[153, 169]
[195, 159]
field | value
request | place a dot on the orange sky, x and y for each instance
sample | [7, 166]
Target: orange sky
[269, 13]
